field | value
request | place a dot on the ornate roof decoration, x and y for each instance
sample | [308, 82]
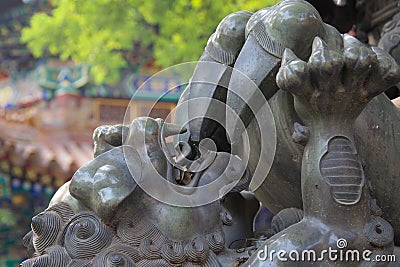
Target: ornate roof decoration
[24, 148]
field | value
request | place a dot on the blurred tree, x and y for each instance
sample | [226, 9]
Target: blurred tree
[104, 33]
[7, 218]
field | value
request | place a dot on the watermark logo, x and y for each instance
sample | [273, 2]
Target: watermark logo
[341, 243]
[197, 105]
[340, 253]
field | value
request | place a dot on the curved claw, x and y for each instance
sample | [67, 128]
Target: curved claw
[324, 62]
[349, 78]
[293, 73]
[360, 61]
[389, 70]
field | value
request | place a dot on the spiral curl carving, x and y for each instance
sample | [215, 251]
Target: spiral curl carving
[84, 236]
[80, 263]
[211, 261]
[197, 250]
[63, 209]
[45, 227]
[216, 241]
[133, 232]
[379, 232]
[173, 252]
[117, 255]
[153, 263]
[149, 249]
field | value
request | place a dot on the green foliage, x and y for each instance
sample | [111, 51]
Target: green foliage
[7, 218]
[101, 32]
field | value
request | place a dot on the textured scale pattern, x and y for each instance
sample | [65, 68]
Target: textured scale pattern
[219, 55]
[266, 42]
[342, 169]
[286, 218]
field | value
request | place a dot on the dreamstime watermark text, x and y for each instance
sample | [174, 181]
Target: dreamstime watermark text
[340, 253]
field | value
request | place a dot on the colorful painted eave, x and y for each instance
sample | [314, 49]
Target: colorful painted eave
[29, 152]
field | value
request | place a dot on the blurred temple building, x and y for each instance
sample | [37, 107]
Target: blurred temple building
[48, 111]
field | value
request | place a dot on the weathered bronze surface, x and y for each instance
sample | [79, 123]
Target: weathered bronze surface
[330, 90]
[146, 202]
